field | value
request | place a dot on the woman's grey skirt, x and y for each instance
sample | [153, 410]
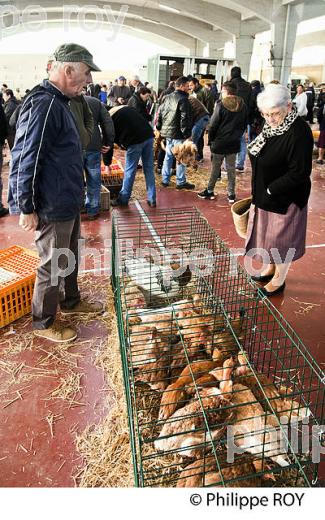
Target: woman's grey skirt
[282, 237]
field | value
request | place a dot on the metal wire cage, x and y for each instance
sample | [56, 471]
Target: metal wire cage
[220, 390]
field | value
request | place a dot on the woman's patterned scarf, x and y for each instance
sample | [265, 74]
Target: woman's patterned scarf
[256, 146]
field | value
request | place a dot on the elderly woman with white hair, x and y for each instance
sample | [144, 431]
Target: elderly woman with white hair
[281, 158]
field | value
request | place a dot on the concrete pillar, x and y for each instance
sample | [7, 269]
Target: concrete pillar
[244, 50]
[199, 47]
[216, 51]
[283, 38]
[217, 45]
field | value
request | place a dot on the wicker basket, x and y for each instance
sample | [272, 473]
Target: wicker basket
[17, 276]
[239, 211]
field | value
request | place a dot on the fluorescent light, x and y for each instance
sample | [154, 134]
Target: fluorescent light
[167, 8]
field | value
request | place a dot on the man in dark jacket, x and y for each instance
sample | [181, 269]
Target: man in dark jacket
[175, 121]
[3, 135]
[202, 94]
[244, 90]
[119, 94]
[226, 128]
[102, 141]
[46, 189]
[10, 105]
[134, 134]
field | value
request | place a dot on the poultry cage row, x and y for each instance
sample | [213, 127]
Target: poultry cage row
[220, 390]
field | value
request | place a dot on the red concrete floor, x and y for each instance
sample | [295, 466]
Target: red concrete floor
[29, 455]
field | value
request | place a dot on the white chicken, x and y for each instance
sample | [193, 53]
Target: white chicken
[156, 281]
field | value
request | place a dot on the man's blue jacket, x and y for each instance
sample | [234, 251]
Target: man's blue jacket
[46, 173]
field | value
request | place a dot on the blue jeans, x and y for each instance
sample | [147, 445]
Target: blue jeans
[134, 153]
[241, 156]
[1, 185]
[93, 181]
[180, 168]
[199, 128]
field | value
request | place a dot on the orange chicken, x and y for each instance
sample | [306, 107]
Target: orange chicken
[253, 430]
[175, 395]
[186, 431]
[150, 356]
[269, 395]
[204, 472]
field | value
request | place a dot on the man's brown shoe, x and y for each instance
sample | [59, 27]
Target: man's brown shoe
[84, 307]
[57, 333]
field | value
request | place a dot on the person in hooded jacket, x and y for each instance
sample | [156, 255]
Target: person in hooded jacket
[226, 129]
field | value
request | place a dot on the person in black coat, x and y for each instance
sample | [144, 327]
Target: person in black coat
[139, 101]
[281, 158]
[244, 90]
[321, 95]
[311, 97]
[10, 105]
[134, 134]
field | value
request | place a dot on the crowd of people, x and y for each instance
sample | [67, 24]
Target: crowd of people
[185, 109]
[66, 126]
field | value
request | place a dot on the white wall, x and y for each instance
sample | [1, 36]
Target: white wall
[22, 71]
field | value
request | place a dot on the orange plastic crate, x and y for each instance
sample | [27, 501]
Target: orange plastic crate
[113, 180]
[17, 277]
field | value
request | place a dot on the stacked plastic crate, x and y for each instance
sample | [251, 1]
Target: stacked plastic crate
[17, 276]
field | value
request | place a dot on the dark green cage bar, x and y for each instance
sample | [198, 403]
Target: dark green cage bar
[220, 390]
